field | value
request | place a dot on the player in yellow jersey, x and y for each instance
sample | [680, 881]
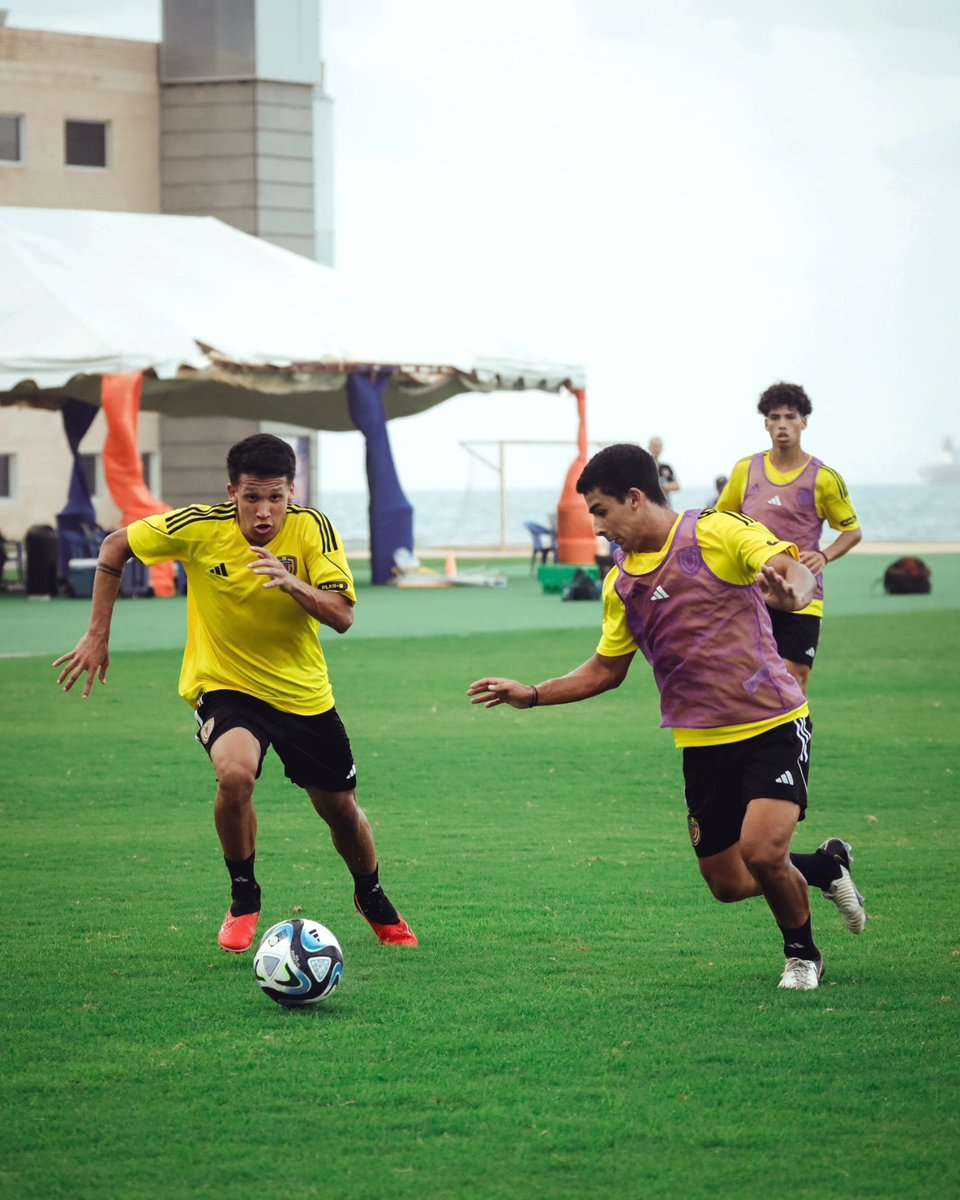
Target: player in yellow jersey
[691, 592]
[794, 494]
[264, 574]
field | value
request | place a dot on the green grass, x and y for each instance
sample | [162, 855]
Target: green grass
[582, 1019]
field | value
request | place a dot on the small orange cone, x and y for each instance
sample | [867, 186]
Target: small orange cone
[451, 567]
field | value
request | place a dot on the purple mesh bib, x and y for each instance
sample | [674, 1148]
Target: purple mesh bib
[709, 642]
[787, 509]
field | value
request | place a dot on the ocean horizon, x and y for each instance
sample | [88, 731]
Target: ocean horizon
[471, 518]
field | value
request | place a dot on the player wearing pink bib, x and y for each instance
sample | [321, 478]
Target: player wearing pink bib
[794, 495]
[691, 592]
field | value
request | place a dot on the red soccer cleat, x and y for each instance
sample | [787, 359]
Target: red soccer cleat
[237, 933]
[390, 935]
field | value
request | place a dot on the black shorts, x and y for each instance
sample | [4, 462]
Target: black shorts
[720, 781]
[315, 751]
[797, 635]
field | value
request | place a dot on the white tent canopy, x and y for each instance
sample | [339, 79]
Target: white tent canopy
[220, 322]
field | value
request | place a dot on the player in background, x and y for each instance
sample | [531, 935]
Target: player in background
[668, 479]
[793, 494]
[264, 574]
[691, 592]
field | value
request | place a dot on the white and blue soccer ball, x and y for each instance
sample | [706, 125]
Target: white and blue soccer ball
[298, 962]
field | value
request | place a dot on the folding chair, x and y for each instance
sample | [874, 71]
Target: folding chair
[544, 543]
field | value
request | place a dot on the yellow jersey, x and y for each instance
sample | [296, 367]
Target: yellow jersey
[240, 635]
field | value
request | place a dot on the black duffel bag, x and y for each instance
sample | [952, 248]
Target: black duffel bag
[907, 576]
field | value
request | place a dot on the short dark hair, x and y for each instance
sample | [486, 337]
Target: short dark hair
[263, 456]
[614, 470]
[790, 394]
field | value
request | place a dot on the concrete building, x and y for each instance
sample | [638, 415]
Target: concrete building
[227, 117]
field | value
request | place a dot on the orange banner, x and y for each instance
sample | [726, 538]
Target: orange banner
[576, 540]
[123, 466]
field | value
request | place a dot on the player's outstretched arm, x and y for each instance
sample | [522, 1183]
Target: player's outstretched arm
[599, 674]
[785, 583]
[91, 657]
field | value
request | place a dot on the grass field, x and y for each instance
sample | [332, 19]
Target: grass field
[581, 1019]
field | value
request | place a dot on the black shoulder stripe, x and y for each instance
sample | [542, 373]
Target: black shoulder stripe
[186, 516]
[728, 512]
[191, 516]
[839, 478]
[189, 510]
[337, 586]
[327, 535]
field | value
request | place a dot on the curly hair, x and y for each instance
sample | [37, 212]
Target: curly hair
[263, 456]
[790, 394]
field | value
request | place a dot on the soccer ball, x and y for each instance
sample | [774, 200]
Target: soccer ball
[298, 962]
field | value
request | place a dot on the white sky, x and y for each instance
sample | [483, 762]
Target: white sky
[694, 198]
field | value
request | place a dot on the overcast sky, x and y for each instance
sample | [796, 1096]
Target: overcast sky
[693, 198]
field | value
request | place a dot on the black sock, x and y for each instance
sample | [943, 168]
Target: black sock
[818, 868]
[373, 899]
[244, 886]
[798, 943]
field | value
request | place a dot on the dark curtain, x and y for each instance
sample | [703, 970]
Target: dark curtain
[391, 514]
[78, 533]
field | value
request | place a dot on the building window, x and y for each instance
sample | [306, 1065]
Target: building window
[6, 476]
[11, 139]
[89, 464]
[86, 143]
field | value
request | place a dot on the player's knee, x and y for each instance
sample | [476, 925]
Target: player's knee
[337, 808]
[347, 812]
[764, 861]
[726, 893]
[236, 783]
[723, 889]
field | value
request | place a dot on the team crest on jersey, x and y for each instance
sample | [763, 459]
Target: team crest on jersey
[694, 827]
[206, 729]
[690, 560]
[289, 562]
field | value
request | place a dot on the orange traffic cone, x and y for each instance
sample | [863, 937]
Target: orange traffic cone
[451, 567]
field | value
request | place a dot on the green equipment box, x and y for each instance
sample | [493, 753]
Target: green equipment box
[554, 577]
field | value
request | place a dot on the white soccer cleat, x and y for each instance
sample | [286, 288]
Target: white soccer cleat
[842, 891]
[801, 975]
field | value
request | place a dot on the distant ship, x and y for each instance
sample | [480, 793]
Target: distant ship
[946, 471]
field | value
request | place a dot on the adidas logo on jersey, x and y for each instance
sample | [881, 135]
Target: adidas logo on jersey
[776, 502]
[786, 777]
[220, 569]
[810, 651]
[659, 594]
